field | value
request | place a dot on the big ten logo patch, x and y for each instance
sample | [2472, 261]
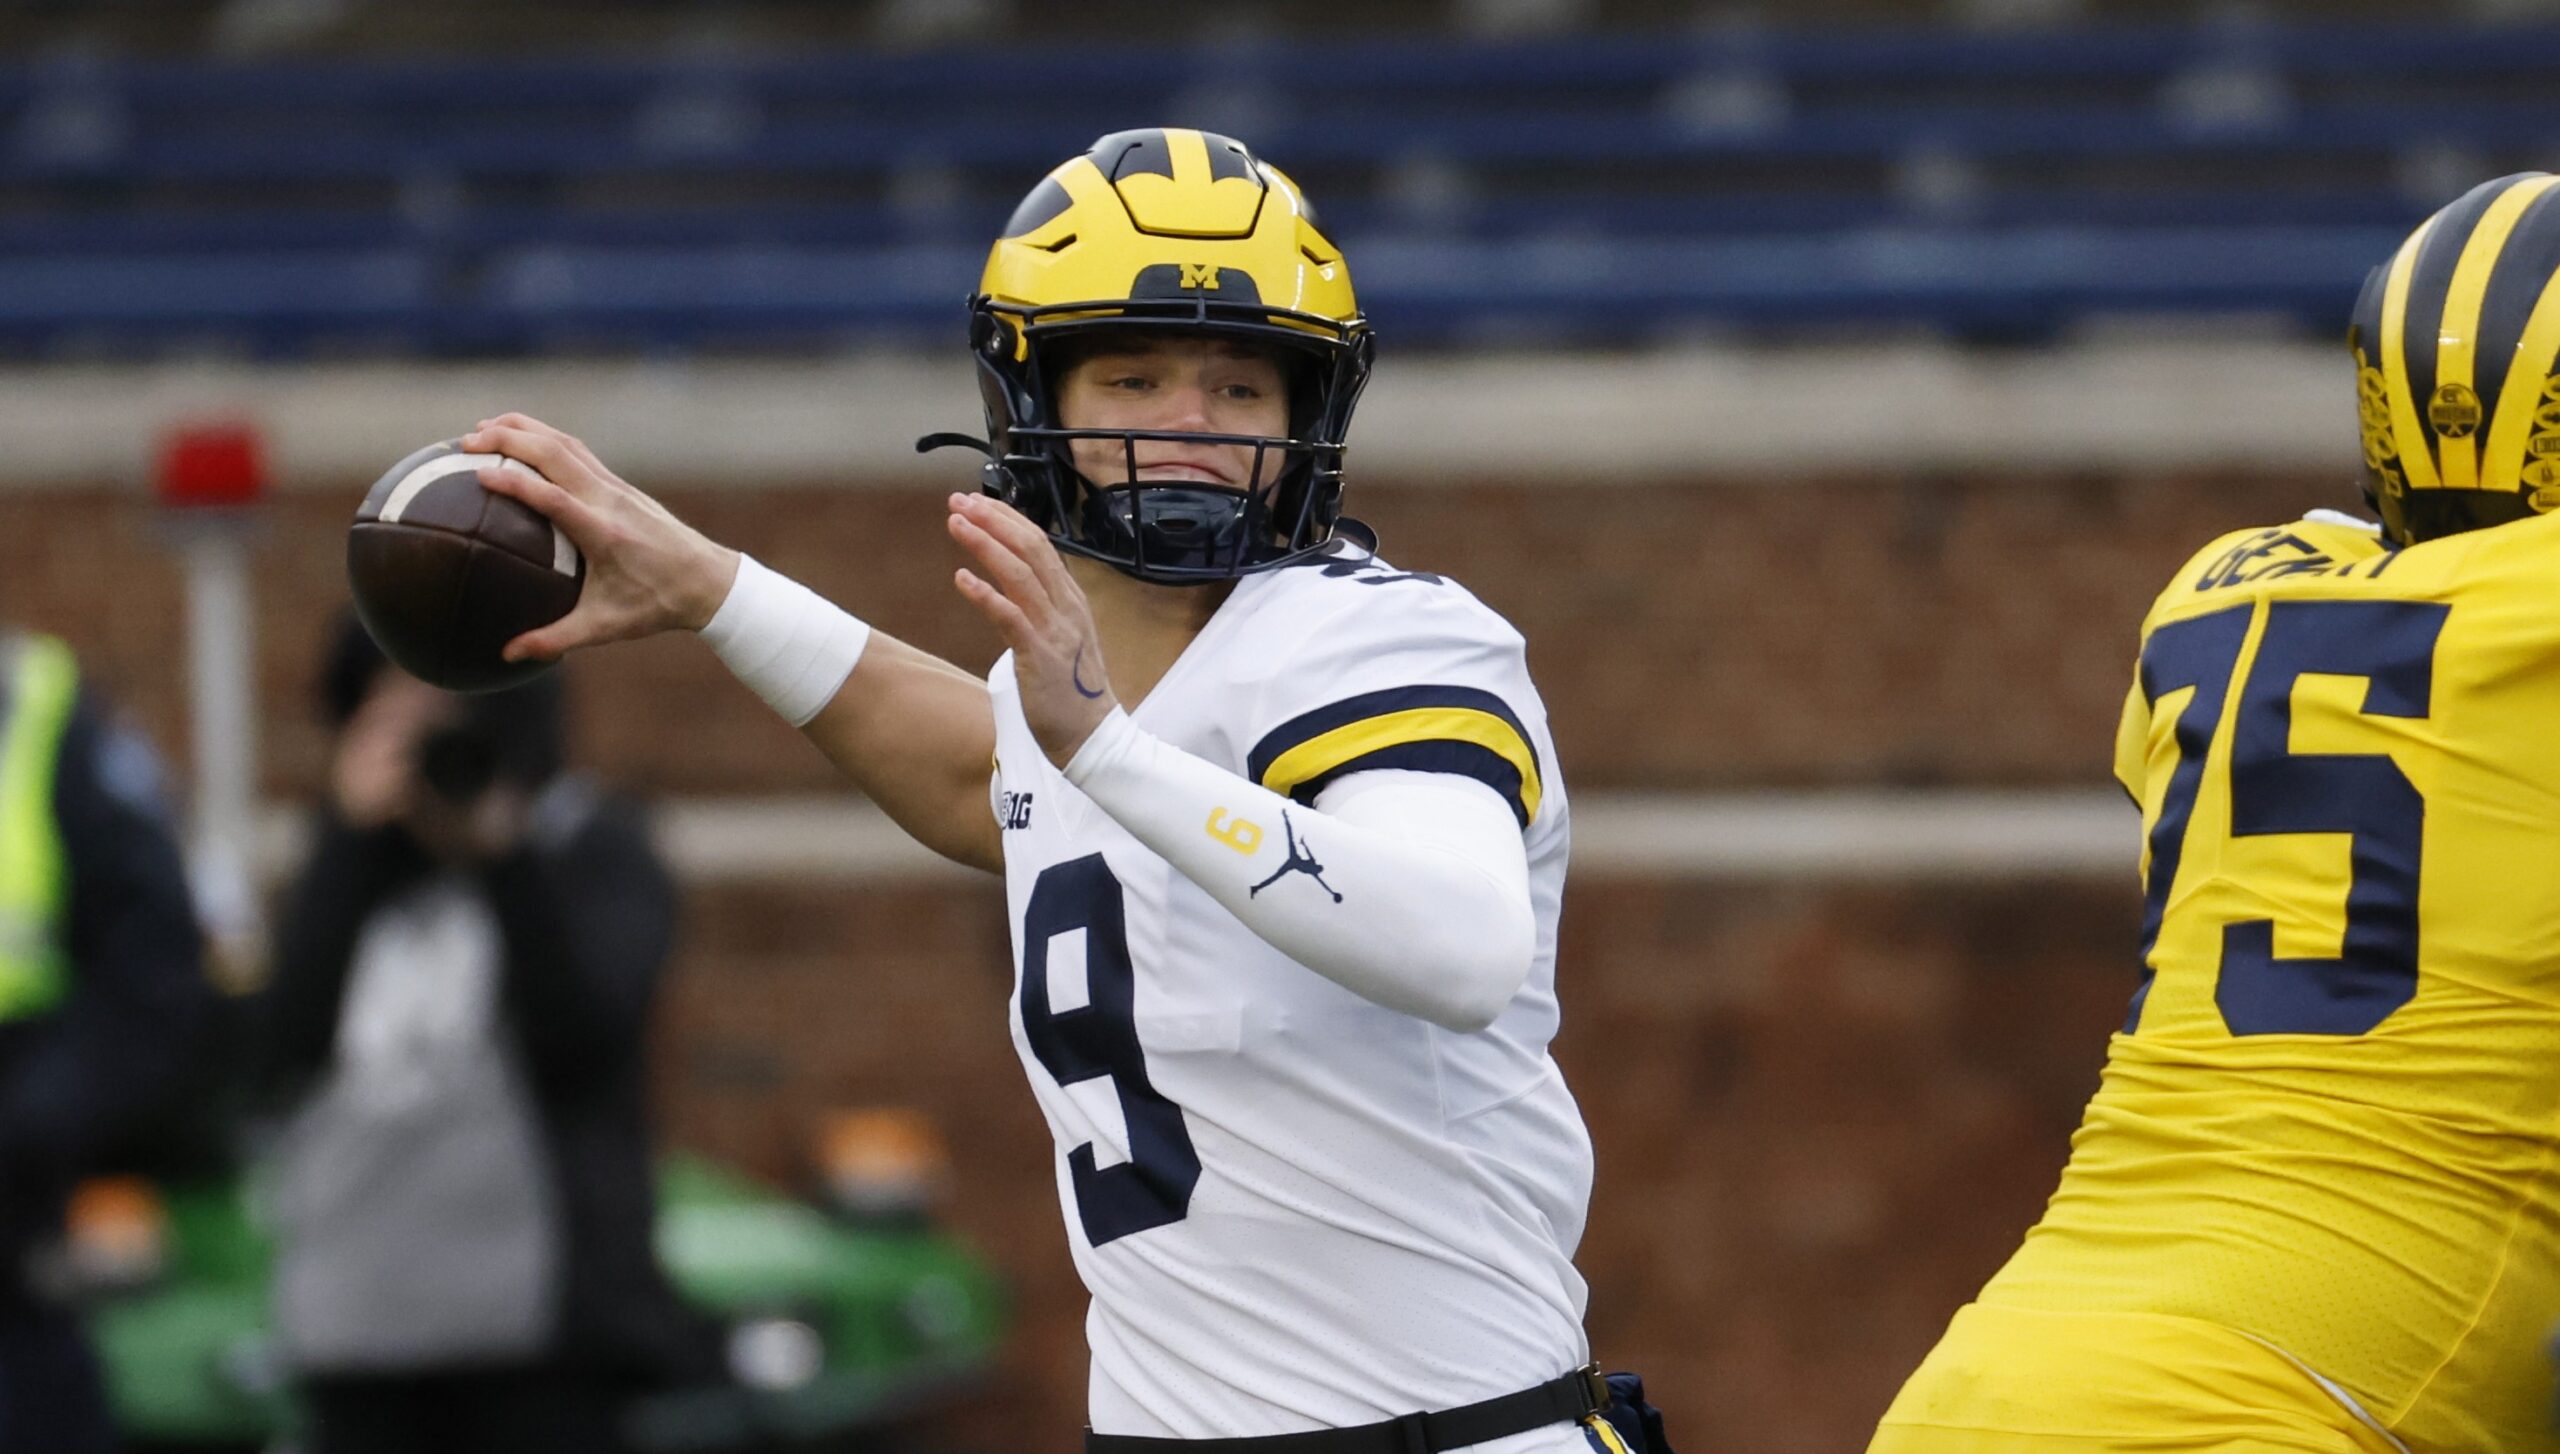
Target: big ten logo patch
[1013, 811]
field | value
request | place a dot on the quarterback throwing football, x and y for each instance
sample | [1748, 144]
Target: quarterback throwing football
[1281, 829]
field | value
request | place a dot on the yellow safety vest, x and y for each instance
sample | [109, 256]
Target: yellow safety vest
[38, 680]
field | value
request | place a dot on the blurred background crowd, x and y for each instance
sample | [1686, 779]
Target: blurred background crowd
[1824, 389]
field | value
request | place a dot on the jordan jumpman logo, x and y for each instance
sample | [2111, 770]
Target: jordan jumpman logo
[1300, 861]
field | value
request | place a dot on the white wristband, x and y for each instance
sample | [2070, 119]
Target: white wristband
[790, 645]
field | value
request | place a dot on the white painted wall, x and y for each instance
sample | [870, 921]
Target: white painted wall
[1774, 414]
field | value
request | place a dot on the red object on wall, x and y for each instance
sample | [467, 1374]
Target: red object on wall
[211, 466]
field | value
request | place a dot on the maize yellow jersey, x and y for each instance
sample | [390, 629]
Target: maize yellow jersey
[2332, 1120]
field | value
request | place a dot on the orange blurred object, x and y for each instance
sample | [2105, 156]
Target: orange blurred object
[888, 1161]
[118, 1230]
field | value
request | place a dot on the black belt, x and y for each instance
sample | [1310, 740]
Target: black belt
[1569, 1399]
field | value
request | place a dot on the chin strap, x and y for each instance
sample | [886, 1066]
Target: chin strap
[932, 442]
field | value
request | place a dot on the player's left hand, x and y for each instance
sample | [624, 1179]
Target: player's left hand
[374, 775]
[1024, 591]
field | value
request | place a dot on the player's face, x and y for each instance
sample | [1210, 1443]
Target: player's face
[1178, 386]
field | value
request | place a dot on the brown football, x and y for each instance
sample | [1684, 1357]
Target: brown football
[445, 573]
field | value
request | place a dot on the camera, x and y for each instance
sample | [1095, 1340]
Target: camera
[460, 761]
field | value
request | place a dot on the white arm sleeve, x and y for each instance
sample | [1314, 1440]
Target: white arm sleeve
[1409, 889]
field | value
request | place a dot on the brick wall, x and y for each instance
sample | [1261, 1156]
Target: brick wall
[1914, 631]
[1823, 1113]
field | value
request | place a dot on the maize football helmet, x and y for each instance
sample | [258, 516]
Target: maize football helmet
[2457, 388]
[1180, 231]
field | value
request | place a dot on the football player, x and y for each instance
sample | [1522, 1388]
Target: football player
[1280, 825]
[2315, 1203]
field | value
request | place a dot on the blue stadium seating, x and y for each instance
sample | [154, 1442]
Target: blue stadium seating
[1595, 188]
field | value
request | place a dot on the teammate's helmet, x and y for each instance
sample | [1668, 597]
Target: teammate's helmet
[2457, 390]
[1177, 230]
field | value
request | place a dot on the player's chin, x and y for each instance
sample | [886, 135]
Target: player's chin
[1185, 477]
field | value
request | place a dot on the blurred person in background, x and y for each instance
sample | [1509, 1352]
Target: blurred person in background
[102, 997]
[458, 1021]
[2315, 1203]
[1285, 922]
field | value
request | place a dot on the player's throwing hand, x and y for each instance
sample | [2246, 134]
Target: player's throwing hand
[647, 571]
[1024, 591]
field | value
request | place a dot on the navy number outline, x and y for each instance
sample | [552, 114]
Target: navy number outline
[1153, 1187]
[2276, 791]
[2199, 652]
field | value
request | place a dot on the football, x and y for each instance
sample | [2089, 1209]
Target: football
[445, 573]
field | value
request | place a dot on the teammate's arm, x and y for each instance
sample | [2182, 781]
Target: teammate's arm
[915, 733]
[2133, 743]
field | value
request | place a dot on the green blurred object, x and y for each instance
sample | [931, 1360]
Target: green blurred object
[833, 1325]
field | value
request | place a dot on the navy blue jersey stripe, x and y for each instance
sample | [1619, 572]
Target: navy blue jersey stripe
[1466, 759]
[1307, 726]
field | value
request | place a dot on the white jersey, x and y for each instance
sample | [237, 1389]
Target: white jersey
[1294, 1208]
